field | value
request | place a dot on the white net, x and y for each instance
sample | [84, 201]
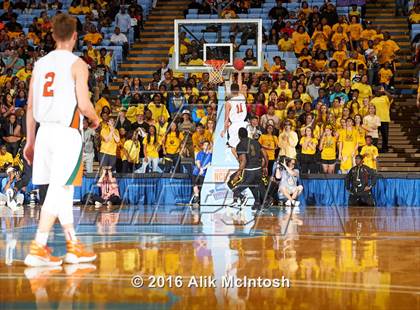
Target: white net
[216, 72]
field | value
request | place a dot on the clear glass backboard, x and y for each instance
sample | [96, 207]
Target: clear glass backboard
[198, 40]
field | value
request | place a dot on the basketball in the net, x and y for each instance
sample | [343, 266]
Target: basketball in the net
[239, 64]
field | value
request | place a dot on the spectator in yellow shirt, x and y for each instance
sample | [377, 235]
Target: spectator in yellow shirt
[151, 144]
[109, 142]
[339, 37]
[93, 36]
[355, 30]
[382, 103]
[172, 145]
[131, 153]
[340, 55]
[269, 143]
[5, 158]
[300, 39]
[328, 146]
[25, 73]
[370, 153]
[414, 17]
[285, 43]
[199, 136]
[388, 49]
[309, 144]
[158, 109]
[385, 75]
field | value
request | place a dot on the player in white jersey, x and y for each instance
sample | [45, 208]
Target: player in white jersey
[235, 115]
[58, 97]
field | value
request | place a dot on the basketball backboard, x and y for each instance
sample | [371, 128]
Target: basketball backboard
[198, 40]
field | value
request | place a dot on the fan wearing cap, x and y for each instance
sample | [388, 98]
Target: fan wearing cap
[9, 194]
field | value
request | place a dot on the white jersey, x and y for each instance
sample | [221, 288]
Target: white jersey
[238, 109]
[54, 90]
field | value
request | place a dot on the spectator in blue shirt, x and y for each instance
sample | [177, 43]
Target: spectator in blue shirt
[123, 20]
[202, 162]
[9, 194]
[322, 98]
[176, 102]
[338, 93]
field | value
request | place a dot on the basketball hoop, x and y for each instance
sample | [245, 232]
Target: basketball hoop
[216, 70]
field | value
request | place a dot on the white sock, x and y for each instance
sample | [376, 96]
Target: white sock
[70, 235]
[41, 238]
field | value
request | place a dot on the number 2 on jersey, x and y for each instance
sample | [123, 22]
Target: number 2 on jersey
[49, 80]
[239, 108]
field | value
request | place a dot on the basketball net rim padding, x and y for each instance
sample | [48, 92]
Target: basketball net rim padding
[216, 70]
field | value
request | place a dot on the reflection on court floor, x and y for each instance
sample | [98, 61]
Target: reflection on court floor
[339, 257]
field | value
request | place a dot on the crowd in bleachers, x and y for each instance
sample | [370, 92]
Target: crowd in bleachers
[329, 86]
[105, 31]
[316, 89]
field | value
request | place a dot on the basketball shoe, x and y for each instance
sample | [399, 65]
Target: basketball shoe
[40, 256]
[77, 254]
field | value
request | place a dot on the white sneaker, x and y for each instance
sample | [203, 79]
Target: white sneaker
[98, 204]
[296, 203]
[10, 201]
[13, 205]
[288, 203]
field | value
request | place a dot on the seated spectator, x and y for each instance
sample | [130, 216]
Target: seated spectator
[109, 189]
[25, 73]
[10, 194]
[93, 36]
[56, 5]
[289, 189]
[229, 12]
[21, 99]
[278, 11]
[6, 158]
[120, 39]
[250, 59]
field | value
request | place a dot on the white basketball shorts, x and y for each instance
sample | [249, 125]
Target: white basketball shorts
[58, 156]
[233, 138]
